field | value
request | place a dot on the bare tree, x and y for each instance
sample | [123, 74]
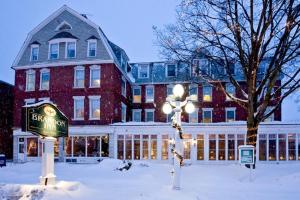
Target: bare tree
[246, 34]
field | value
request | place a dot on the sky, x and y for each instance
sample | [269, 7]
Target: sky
[128, 23]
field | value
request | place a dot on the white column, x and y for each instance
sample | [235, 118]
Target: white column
[115, 145]
[48, 177]
[226, 147]
[236, 150]
[287, 147]
[296, 143]
[277, 148]
[206, 146]
[217, 147]
[159, 144]
[267, 147]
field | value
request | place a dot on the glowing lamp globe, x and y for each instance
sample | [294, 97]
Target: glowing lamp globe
[189, 107]
[178, 90]
[167, 108]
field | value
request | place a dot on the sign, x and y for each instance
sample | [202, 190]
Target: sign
[246, 154]
[44, 119]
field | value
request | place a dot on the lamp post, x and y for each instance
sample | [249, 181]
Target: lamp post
[174, 103]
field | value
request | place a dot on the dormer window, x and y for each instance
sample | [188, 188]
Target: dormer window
[63, 26]
[70, 49]
[53, 51]
[143, 71]
[34, 52]
[92, 47]
[170, 70]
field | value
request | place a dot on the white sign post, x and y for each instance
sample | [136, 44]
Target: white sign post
[246, 156]
[48, 177]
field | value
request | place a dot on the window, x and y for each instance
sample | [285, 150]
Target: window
[272, 147]
[45, 79]
[164, 147]
[149, 93]
[201, 66]
[230, 89]
[282, 146]
[34, 52]
[120, 143]
[145, 146]
[123, 112]
[143, 71]
[78, 108]
[136, 115]
[63, 26]
[79, 146]
[271, 117]
[149, 115]
[93, 146]
[95, 75]
[221, 147]
[32, 147]
[30, 80]
[68, 146]
[169, 116]
[105, 146]
[231, 147]
[171, 70]
[123, 86]
[70, 49]
[187, 143]
[153, 146]
[207, 115]
[79, 77]
[230, 114]
[137, 98]
[212, 146]
[54, 50]
[94, 107]
[292, 146]
[92, 47]
[193, 92]
[200, 147]
[262, 146]
[136, 147]
[193, 117]
[29, 101]
[207, 93]
[128, 147]
[170, 90]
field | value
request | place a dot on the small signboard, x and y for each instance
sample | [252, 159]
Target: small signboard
[246, 154]
[44, 119]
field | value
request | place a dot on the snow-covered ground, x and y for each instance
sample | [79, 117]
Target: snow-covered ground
[151, 181]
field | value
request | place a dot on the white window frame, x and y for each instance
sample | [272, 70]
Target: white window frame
[29, 72]
[166, 70]
[42, 71]
[38, 51]
[226, 86]
[210, 110]
[148, 70]
[272, 116]
[123, 117]
[197, 95]
[149, 110]
[197, 115]
[29, 101]
[211, 93]
[169, 87]
[88, 48]
[95, 67]
[66, 49]
[74, 106]
[49, 51]
[147, 87]
[44, 99]
[91, 98]
[139, 88]
[230, 109]
[77, 68]
[137, 111]
[123, 91]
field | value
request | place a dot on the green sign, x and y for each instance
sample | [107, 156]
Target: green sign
[44, 119]
[246, 154]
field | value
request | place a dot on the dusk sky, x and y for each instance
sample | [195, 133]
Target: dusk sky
[128, 23]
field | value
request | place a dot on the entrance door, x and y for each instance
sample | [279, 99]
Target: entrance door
[21, 150]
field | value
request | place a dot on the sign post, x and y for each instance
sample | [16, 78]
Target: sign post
[45, 120]
[246, 156]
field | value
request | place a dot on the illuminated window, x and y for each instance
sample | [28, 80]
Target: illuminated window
[193, 117]
[70, 49]
[93, 146]
[128, 147]
[221, 146]
[120, 144]
[200, 147]
[230, 114]
[292, 146]
[164, 147]
[94, 107]
[45, 79]
[143, 71]
[145, 141]
[32, 147]
[149, 93]
[95, 75]
[53, 51]
[207, 115]
[79, 146]
[136, 147]
[92, 48]
[193, 92]
[207, 93]
[78, 108]
[136, 115]
[30, 80]
[230, 89]
[282, 146]
[231, 147]
[104, 146]
[262, 146]
[153, 147]
[137, 98]
[187, 143]
[272, 147]
[212, 146]
[68, 146]
[79, 77]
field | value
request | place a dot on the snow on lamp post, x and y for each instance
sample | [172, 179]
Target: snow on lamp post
[174, 103]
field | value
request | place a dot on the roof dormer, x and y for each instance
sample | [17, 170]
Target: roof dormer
[64, 26]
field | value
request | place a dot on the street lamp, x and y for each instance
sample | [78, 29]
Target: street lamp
[174, 103]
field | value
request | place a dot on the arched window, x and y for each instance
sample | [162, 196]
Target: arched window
[63, 26]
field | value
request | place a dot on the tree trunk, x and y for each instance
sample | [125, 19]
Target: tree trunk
[252, 130]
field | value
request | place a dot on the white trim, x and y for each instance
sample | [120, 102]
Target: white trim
[42, 71]
[88, 48]
[38, 51]
[61, 24]
[211, 111]
[146, 99]
[66, 50]
[95, 67]
[29, 101]
[166, 69]
[230, 109]
[44, 99]
[75, 98]
[150, 110]
[29, 72]
[123, 106]
[90, 107]
[137, 110]
[123, 93]
[148, 70]
[49, 51]
[79, 68]
[64, 63]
